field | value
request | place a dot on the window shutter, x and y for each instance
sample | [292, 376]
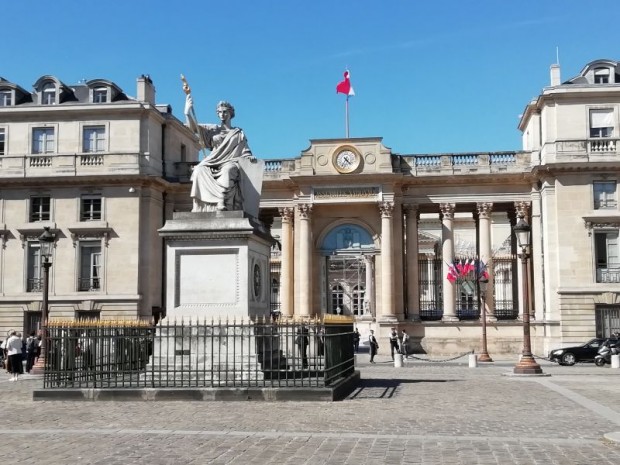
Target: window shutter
[601, 118]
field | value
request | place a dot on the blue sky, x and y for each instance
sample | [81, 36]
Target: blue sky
[429, 77]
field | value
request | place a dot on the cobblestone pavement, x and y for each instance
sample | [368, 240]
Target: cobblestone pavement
[423, 413]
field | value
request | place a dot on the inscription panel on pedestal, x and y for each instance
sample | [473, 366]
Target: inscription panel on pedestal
[207, 277]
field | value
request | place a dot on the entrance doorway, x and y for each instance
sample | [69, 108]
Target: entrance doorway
[348, 271]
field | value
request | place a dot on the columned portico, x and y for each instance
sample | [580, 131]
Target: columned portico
[413, 278]
[447, 239]
[486, 255]
[286, 278]
[388, 312]
[305, 259]
[537, 293]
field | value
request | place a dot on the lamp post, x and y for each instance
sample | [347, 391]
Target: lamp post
[482, 285]
[527, 365]
[46, 245]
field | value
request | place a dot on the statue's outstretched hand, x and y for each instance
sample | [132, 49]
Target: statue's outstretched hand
[189, 104]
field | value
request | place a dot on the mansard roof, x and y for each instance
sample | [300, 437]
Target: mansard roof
[587, 75]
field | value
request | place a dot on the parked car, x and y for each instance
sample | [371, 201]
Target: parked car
[583, 353]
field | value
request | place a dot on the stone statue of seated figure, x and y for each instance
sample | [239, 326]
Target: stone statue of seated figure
[230, 177]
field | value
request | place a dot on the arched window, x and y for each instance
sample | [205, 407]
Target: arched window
[358, 299]
[337, 299]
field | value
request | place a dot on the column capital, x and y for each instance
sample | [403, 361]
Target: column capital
[287, 214]
[522, 209]
[305, 210]
[386, 209]
[447, 210]
[484, 209]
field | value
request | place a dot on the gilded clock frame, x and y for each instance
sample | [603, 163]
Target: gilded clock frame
[358, 157]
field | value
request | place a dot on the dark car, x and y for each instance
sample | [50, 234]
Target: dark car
[583, 353]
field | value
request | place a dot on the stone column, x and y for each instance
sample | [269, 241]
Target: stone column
[522, 209]
[286, 271]
[447, 239]
[369, 294]
[537, 290]
[413, 274]
[486, 255]
[388, 312]
[305, 259]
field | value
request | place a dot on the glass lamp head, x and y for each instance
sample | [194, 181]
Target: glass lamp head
[522, 231]
[46, 242]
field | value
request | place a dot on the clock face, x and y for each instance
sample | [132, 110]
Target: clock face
[346, 161]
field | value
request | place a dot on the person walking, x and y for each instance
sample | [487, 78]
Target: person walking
[302, 342]
[404, 344]
[374, 346]
[31, 350]
[14, 351]
[356, 340]
[393, 342]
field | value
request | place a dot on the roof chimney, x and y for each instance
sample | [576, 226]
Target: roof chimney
[146, 89]
[555, 75]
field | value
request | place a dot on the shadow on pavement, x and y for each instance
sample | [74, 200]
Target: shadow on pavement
[386, 388]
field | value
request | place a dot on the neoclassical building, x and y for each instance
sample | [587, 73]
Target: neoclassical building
[361, 230]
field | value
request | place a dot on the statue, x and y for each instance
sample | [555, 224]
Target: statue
[230, 177]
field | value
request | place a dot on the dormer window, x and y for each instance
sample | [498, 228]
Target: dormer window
[601, 76]
[602, 123]
[6, 98]
[100, 95]
[48, 94]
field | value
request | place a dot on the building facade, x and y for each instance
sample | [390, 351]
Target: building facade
[361, 230]
[96, 167]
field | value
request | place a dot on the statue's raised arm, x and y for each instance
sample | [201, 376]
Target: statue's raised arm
[230, 178]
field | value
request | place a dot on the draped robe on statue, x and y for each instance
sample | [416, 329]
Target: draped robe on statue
[218, 183]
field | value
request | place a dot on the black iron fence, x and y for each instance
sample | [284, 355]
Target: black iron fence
[103, 354]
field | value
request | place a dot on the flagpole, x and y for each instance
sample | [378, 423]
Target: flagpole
[346, 115]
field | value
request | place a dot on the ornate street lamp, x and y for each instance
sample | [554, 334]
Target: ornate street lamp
[482, 285]
[527, 365]
[46, 246]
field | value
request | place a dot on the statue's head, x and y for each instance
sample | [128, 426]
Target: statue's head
[226, 106]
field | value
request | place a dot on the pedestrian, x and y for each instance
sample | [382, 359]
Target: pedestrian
[14, 351]
[404, 344]
[356, 340]
[374, 346]
[5, 360]
[302, 342]
[39, 344]
[393, 342]
[320, 342]
[31, 350]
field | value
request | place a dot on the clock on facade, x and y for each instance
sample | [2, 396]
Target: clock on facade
[346, 160]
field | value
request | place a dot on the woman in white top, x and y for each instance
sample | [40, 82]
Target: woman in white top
[14, 352]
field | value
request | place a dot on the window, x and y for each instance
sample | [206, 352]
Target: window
[35, 278]
[358, 300]
[48, 95]
[2, 141]
[601, 123]
[90, 266]
[88, 315]
[40, 208]
[337, 299]
[94, 139]
[90, 208]
[601, 76]
[43, 140]
[607, 257]
[100, 95]
[605, 195]
[6, 98]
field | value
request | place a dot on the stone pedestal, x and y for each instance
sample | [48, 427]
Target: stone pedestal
[217, 288]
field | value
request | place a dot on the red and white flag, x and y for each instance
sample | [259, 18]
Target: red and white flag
[345, 87]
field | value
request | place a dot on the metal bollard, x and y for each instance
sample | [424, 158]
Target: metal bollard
[473, 360]
[615, 361]
[398, 360]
